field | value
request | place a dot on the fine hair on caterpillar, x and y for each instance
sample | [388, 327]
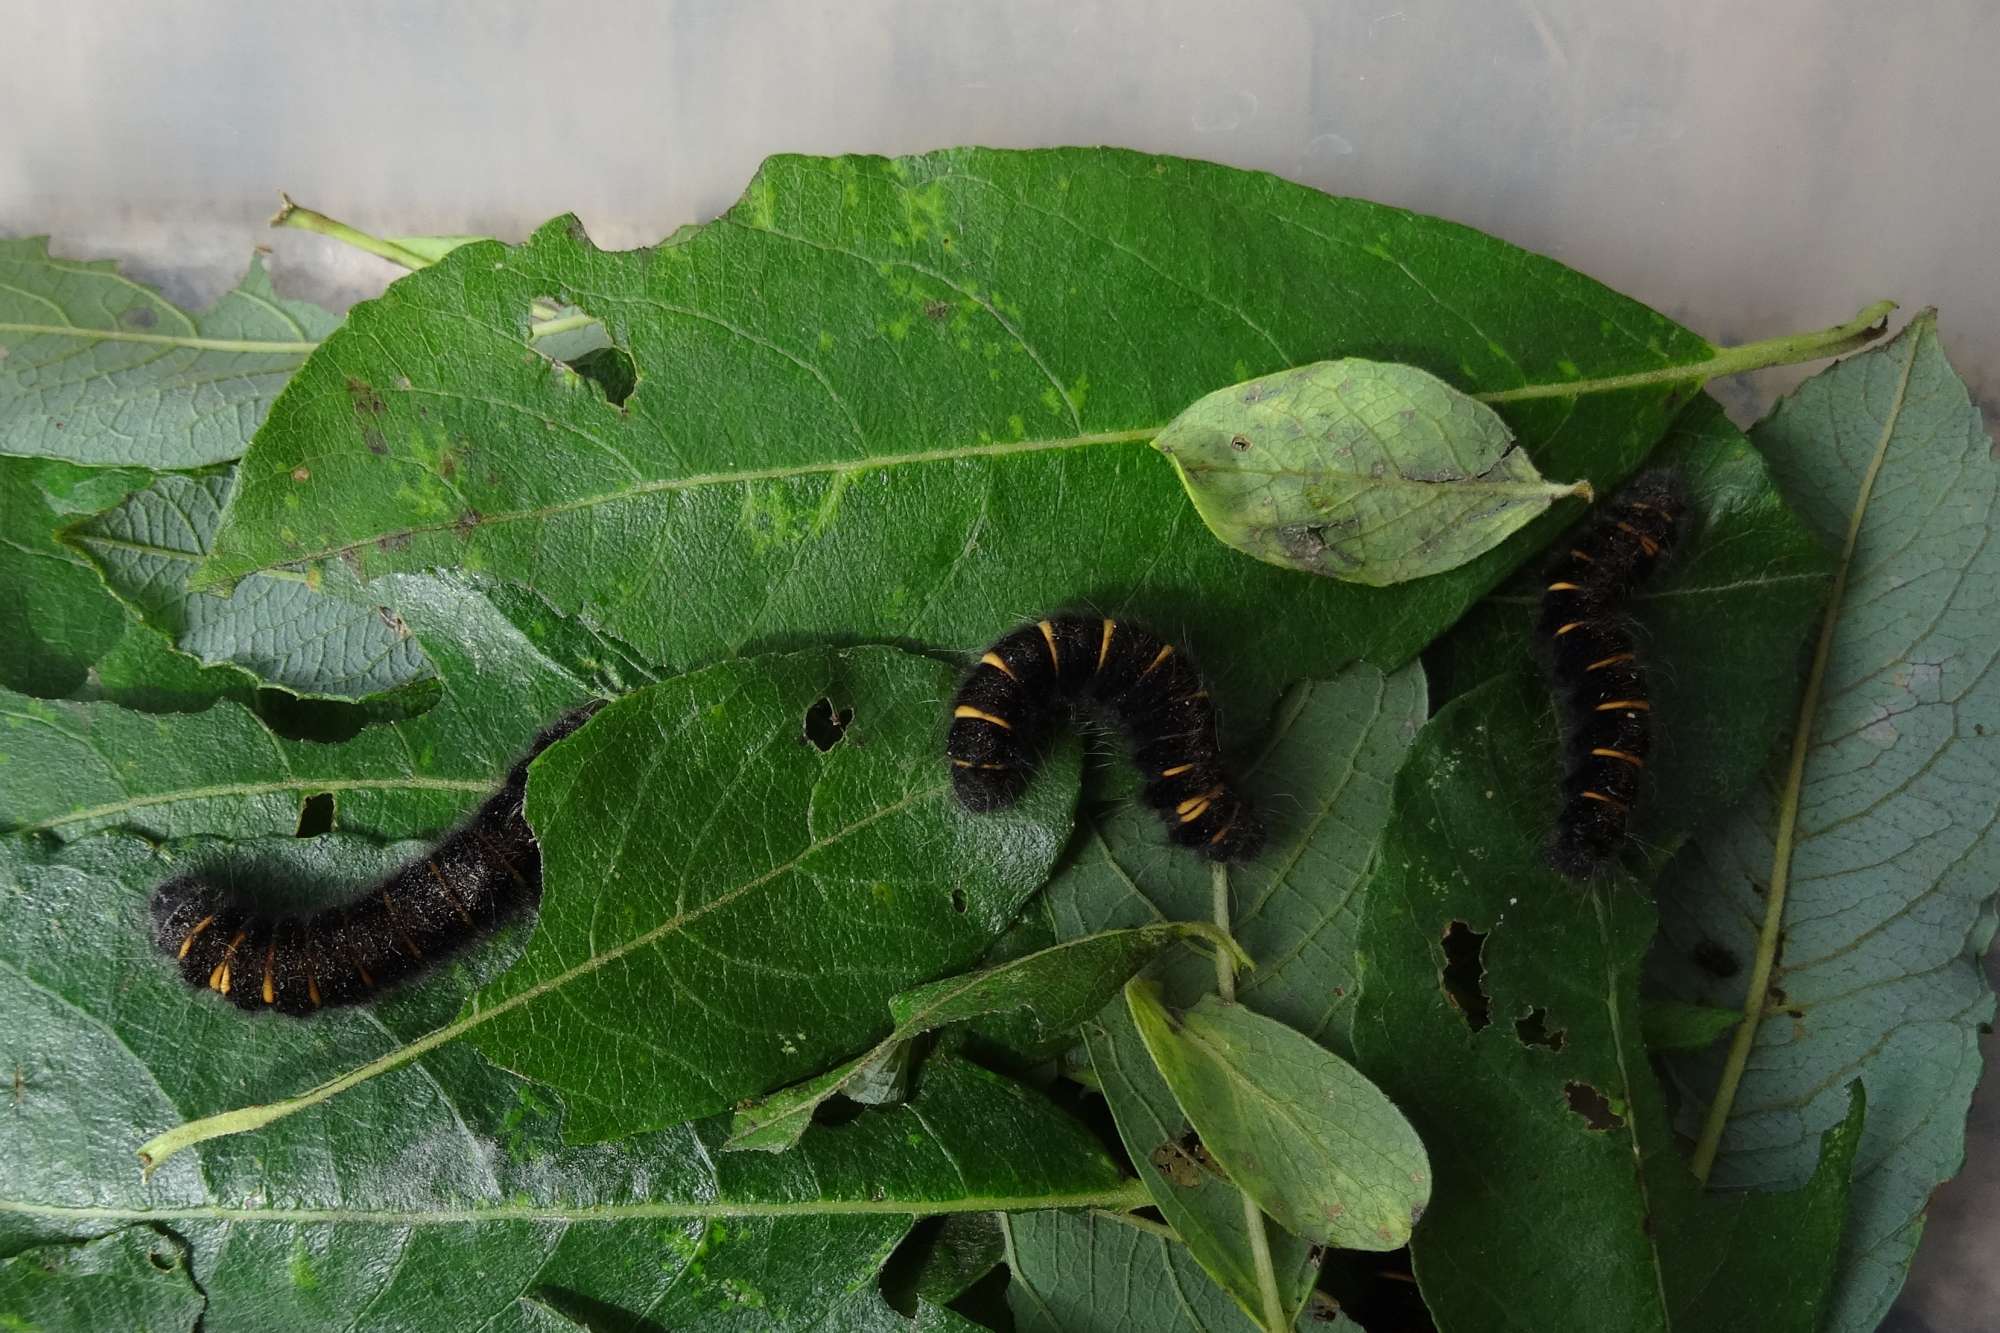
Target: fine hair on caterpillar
[484, 871]
[1595, 665]
[1049, 669]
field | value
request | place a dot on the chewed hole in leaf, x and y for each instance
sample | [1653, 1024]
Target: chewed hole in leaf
[161, 1260]
[581, 349]
[1184, 1160]
[1464, 975]
[316, 815]
[825, 725]
[1593, 1106]
[1533, 1030]
[958, 903]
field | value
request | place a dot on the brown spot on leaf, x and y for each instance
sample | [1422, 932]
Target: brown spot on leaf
[139, 317]
[467, 521]
[937, 310]
[301, 473]
[377, 445]
[1593, 1106]
[447, 465]
[364, 398]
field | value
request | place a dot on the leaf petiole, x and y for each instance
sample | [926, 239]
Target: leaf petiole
[1785, 350]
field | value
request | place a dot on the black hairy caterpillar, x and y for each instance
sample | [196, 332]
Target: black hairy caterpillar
[1595, 663]
[483, 872]
[1022, 684]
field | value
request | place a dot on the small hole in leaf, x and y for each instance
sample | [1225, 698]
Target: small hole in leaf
[316, 815]
[1240, 443]
[1533, 1029]
[161, 1260]
[1464, 975]
[958, 901]
[1593, 1106]
[825, 724]
[612, 370]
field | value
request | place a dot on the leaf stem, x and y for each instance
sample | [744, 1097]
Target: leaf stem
[1254, 1226]
[1788, 805]
[1863, 329]
[307, 219]
[161, 339]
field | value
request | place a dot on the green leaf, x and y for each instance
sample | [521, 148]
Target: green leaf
[100, 370]
[285, 630]
[135, 1277]
[1672, 1025]
[1890, 900]
[1501, 996]
[1095, 1274]
[70, 768]
[56, 619]
[889, 399]
[1365, 471]
[1059, 987]
[1322, 783]
[1297, 1128]
[711, 914]
[435, 1196]
[946, 1257]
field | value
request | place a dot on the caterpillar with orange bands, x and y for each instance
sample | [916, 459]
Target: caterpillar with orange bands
[486, 870]
[1599, 678]
[1027, 681]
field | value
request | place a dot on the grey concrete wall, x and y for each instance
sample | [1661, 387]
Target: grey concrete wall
[1748, 169]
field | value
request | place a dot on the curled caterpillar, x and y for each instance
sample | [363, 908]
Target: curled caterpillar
[1004, 709]
[1600, 682]
[484, 871]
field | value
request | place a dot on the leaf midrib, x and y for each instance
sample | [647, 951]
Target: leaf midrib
[1130, 1194]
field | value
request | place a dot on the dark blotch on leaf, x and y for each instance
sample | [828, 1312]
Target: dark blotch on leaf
[958, 900]
[1593, 1106]
[825, 725]
[1464, 974]
[937, 310]
[1715, 960]
[1533, 1030]
[377, 445]
[316, 815]
[364, 398]
[139, 317]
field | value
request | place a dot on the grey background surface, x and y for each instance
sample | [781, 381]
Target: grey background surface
[1748, 170]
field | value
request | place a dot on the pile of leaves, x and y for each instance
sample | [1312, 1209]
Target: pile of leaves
[793, 1042]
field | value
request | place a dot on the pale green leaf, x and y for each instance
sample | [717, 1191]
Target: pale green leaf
[1365, 471]
[1891, 897]
[1297, 1128]
[282, 629]
[100, 370]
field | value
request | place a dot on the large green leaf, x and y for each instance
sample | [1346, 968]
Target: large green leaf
[893, 399]
[434, 1196]
[287, 631]
[99, 370]
[1099, 1275]
[1890, 902]
[56, 619]
[1322, 783]
[68, 768]
[756, 897]
[1499, 995]
[1355, 470]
